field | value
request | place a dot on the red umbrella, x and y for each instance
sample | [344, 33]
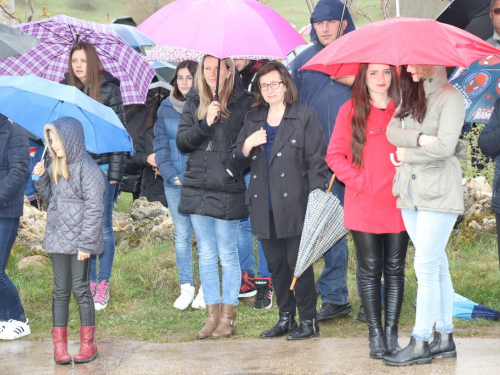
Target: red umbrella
[400, 41]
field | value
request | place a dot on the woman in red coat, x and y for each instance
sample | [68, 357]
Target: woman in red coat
[358, 153]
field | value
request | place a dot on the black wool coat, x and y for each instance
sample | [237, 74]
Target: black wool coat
[297, 166]
[207, 188]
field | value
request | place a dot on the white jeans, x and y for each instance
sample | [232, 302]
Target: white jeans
[429, 232]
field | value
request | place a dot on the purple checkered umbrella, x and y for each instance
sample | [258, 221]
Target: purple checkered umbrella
[58, 34]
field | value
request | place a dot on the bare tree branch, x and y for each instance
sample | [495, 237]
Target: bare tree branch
[9, 15]
[32, 10]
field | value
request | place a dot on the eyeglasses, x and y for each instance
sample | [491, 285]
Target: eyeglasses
[496, 11]
[273, 85]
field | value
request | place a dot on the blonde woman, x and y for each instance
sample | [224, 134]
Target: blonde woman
[213, 192]
[73, 187]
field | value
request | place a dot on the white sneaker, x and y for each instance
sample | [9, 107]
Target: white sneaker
[3, 326]
[186, 297]
[199, 301]
[15, 329]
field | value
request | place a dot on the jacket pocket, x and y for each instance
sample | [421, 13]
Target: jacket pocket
[432, 181]
[396, 183]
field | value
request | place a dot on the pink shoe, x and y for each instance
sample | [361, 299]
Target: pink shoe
[101, 297]
[93, 286]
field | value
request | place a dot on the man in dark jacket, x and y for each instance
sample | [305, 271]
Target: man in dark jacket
[326, 96]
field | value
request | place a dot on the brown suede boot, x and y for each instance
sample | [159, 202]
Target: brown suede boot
[211, 323]
[227, 322]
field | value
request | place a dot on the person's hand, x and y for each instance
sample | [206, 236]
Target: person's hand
[177, 181]
[151, 160]
[256, 139]
[82, 255]
[113, 182]
[39, 169]
[400, 153]
[425, 140]
[213, 108]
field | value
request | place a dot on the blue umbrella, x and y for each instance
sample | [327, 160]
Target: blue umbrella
[32, 102]
[480, 86]
[464, 308]
[165, 69]
[132, 37]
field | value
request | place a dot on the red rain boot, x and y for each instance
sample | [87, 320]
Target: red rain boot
[88, 348]
[60, 340]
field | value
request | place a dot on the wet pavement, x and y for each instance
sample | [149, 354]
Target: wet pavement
[240, 356]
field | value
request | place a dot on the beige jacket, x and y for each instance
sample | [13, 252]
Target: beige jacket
[430, 177]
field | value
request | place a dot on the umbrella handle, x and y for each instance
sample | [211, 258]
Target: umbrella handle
[218, 117]
[330, 185]
[394, 162]
[294, 281]
[36, 177]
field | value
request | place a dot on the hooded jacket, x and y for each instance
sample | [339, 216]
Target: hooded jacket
[74, 215]
[14, 168]
[207, 188]
[110, 96]
[317, 89]
[430, 177]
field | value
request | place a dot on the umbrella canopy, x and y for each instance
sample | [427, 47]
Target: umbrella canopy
[471, 16]
[464, 308]
[323, 227]
[14, 42]
[479, 85]
[33, 102]
[165, 69]
[222, 28]
[402, 41]
[50, 58]
[131, 36]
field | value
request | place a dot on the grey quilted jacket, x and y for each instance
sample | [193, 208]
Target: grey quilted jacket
[74, 215]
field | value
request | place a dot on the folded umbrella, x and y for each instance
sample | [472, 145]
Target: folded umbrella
[479, 84]
[464, 308]
[33, 102]
[400, 41]
[323, 227]
[58, 34]
[13, 42]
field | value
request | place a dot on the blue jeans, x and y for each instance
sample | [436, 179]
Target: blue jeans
[183, 234]
[108, 255]
[332, 282]
[10, 303]
[246, 246]
[216, 239]
[429, 232]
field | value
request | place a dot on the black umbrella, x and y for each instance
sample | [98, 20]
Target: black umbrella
[14, 42]
[470, 15]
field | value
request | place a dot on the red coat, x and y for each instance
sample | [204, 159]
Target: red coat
[369, 204]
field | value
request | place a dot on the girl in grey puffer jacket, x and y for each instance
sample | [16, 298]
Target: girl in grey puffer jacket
[74, 189]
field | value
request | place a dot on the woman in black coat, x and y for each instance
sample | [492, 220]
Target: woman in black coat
[14, 170]
[284, 145]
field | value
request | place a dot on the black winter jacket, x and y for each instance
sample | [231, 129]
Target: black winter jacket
[111, 97]
[151, 186]
[207, 188]
[14, 168]
[489, 143]
[297, 166]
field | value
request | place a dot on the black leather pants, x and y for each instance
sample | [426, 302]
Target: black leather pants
[379, 253]
[71, 274]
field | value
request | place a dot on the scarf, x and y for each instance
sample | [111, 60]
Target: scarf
[178, 104]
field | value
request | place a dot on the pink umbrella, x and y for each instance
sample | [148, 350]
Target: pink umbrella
[305, 30]
[400, 41]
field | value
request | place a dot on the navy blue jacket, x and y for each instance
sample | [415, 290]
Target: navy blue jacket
[171, 162]
[14, 168]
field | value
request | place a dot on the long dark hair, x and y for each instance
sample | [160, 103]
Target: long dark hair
[413, 101]
[192, 66]
[362, 109]
[95, 71]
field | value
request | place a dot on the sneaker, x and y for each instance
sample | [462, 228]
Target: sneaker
[199, 301]
[264, 297]
[186, 297]
[93, 285]
[15, 329]
[101, 297]
[247, 288]
[3, 325]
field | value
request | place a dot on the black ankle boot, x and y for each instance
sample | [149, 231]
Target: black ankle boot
[416, 353]
[391, 340]
[377, 343]
[443, 346]
[285, 325]
[306, 330]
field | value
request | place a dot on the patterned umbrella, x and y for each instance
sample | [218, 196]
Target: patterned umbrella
[480, 86]
[58, 34]
[323, 227]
